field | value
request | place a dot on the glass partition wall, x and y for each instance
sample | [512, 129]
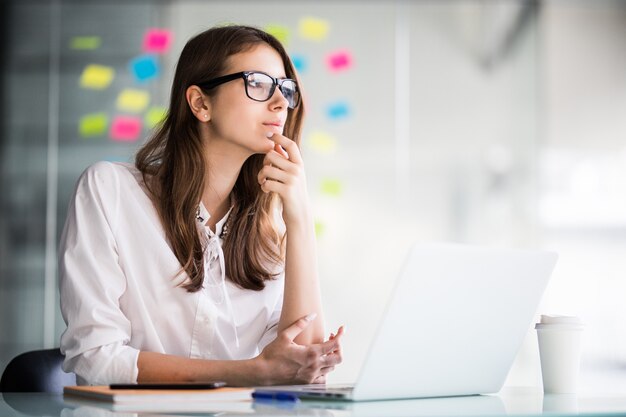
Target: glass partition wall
[425, 121]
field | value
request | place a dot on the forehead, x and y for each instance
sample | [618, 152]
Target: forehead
[261, 57]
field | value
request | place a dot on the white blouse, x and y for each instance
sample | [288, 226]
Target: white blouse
[120, 293]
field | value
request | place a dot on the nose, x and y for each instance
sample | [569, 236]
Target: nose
[278, 101]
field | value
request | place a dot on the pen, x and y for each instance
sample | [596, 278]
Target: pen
[274, 396]
[170, 386]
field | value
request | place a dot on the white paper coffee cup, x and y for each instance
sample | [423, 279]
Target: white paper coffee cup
[559, 351]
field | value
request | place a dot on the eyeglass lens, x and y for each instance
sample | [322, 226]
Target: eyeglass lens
[261, 87]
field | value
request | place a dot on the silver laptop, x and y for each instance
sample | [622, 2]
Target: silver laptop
[453, 325]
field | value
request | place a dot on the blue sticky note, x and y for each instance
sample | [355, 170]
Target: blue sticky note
[338, 110]
[300, 62]
[145, 67]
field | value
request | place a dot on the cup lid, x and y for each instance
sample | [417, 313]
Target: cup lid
[556, 321]
[559, 319]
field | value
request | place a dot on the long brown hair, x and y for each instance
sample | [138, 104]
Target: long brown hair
[172, 159]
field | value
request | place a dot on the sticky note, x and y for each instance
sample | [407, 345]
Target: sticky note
[157, 41]
[154, 116]
[85, 42]
[144, 67]
[125, 128]
[299, 62]
[93, 124]
[132, 100]
[280, 32]
[340, 60]
[322, 142]
[319, 228]
[97, 77]
[338, 110]
[331, 187]
[313, 29]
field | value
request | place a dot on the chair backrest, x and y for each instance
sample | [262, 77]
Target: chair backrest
[36, 371]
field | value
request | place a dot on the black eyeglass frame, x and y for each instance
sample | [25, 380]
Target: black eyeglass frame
[244, 75]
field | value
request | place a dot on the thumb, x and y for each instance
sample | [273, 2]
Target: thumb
[296, 328]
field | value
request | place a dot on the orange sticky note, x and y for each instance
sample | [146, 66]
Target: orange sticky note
[125, 129]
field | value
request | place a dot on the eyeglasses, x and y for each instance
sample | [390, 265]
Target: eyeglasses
[260, 86]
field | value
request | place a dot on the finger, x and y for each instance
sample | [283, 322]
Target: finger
[331, 359]
[274, 158]
[280, 150]
[296, 328]
[340, 333]
[326, 347]
[319, 380]
[273, 173]
[272, 186]
[289, 145]
[326, 370]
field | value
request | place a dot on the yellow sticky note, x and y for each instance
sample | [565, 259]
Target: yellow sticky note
[322, 142]
[331, 187]
[132, 100]
[97, 77]
[85, 42]
[280, 32]
[313, 29]
[319, 228]
[93, 124]
[154, 116]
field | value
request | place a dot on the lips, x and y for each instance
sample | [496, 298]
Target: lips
[278, 124]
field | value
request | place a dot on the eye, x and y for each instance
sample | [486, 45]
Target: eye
[260, 81]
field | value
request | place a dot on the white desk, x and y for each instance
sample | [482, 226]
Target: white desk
[510, 401]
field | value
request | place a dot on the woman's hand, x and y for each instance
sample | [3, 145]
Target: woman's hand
[283, 173]
[284, 362]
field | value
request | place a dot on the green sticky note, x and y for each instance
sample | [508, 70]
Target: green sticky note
[155, 116]
[331, 187]
[85, 42]
[280, 32]
[93, 125]
[319, 228]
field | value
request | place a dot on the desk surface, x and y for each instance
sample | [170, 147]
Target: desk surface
[510, 401]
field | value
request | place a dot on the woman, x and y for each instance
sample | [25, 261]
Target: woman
[181, 267]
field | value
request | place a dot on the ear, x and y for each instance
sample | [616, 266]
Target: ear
[199, 103]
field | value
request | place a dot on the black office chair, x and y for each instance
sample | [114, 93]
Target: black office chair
[36, 371]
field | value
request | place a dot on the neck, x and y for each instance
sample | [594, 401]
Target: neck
[224, 162]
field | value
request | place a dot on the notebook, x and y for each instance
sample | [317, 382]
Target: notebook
[163, 400]
[453, 325]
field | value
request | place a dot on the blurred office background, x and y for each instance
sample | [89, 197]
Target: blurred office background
[489, 122]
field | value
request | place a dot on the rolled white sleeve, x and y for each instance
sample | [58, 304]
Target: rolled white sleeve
[91, 282]
[271, 330]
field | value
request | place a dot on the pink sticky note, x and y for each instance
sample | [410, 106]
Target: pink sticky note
[125, 129]
[157, 41]
[340, 60]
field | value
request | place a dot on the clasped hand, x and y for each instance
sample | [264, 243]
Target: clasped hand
[285, 362]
